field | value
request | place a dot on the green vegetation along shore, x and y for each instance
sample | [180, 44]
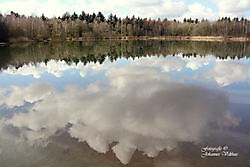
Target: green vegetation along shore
[19, 28]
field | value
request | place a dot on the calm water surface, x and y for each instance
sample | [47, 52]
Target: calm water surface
[117, 103]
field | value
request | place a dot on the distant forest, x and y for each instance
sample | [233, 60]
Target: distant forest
[15, 27]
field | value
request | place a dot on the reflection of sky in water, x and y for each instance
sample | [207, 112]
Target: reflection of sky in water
[230, 75]
[146, 104]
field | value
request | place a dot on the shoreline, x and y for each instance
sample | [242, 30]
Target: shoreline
[204, 38]
[193, 38]
[167, 38]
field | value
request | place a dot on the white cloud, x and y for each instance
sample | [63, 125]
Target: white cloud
[232, 8]
[142, 8]
[53, 8]
[156, 8]
[200, 11]
[163, 64]
[229, 72]
[124, 151]
[139, 108]
[198, 62]
[50, 8]
[56, 68]
[36, 70]
[224, 72]
[166, 8]
[20, 95]
[175, 63]
[135, 3]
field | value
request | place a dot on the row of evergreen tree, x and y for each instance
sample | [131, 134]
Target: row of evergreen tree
[14, 27]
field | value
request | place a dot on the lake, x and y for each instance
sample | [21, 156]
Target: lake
[116, 103]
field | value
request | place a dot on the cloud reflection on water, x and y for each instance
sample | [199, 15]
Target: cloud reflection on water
[135, 106]
[228, 72]
[223, 72]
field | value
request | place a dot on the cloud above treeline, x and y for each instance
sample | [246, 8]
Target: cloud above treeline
[177, 9]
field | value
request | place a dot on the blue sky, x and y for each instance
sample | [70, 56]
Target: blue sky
[178, 9]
